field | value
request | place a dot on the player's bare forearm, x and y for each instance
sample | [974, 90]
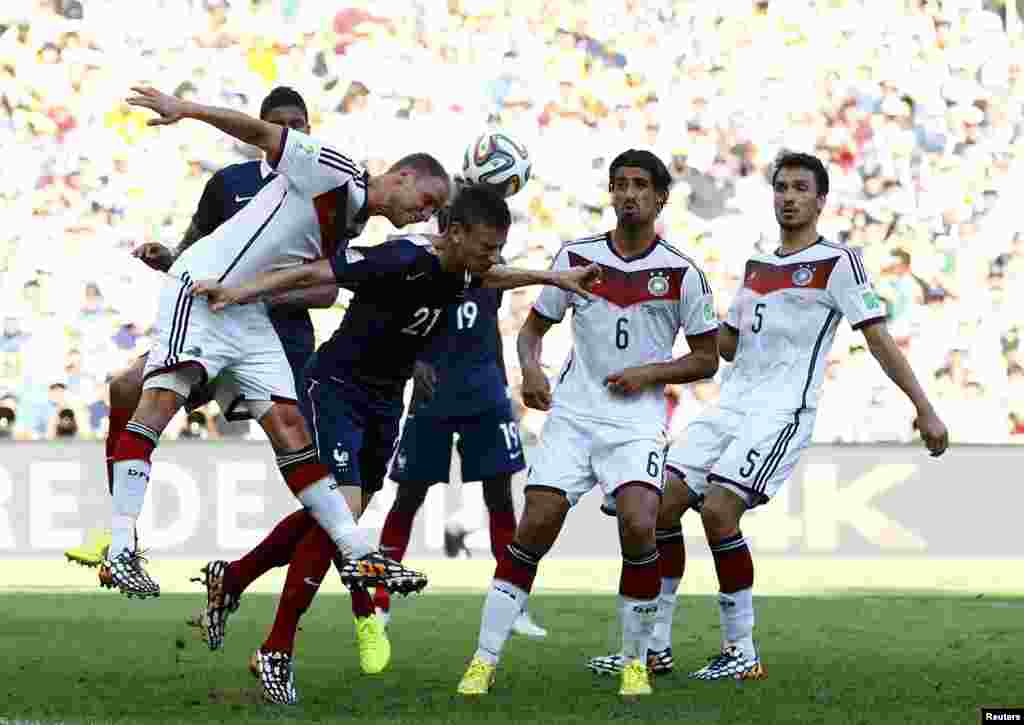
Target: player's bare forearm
[502, 277]
[691, 367]
[303, 276]
[246, 128]
[529, 342]
[728, 340]
[319, 297]
[895, 365]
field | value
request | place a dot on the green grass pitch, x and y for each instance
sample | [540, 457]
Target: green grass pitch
[857, 658]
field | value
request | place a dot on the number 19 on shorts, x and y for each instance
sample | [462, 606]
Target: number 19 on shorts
[510, 431]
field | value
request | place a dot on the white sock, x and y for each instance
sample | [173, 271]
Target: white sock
[131, 478]
[330, 510]
[503, 605]
[637, 626]
[662, 637]
[736, 614]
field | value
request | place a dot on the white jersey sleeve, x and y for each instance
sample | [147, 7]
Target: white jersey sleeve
[852, 292]
[313, 167]
[696, 304]
[552, 302]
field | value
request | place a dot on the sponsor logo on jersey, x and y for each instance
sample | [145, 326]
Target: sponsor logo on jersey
[240, 199]
[341, 457]
[352, 256]
[658, 285]
[871, 300]
[709, 312]
[803, 276]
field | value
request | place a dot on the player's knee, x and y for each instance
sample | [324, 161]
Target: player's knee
[125, 390]
[498, 493]
[675, 500]
[719, 520]
[286, 427]
[542, 519]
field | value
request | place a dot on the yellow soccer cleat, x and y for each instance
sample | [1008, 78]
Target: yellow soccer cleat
[374, 646]
[478, 678]
[635, 680]
[93, 551]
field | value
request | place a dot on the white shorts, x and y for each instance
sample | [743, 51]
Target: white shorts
[752, 454]
[573, 456]
[238, 346]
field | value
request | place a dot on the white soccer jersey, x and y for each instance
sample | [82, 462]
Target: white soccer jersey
[315, 205]
[786, 314]
[634, 317]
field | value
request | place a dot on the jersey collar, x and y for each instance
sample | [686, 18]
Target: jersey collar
[779, 253]
[635, 257]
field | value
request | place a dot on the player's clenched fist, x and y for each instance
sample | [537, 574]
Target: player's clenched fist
[933, 433]
[169, 108]
[536, 389]
[154, 255]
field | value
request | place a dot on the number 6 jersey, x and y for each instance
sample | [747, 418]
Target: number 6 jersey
[634, 317]
[786, 314]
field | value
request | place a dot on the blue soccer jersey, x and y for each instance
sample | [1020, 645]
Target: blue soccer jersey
[468, 359]
[401, 300]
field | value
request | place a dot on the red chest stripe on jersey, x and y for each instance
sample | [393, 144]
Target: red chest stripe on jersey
[624, 289]
[326, 206]
[763, 278]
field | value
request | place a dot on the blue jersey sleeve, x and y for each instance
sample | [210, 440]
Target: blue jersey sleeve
[212, 209]
[396, 260]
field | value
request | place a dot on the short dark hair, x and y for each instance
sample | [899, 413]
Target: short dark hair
[423, 164]
[640, 159]
[480, 204]
[280, 97]
[791, 160]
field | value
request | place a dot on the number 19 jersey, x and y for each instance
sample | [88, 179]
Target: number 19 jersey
[633, 318]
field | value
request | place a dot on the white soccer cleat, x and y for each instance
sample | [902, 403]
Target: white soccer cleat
[659, 662]
[219, 604]
[274, 670]
[125, 573]
[732, 664]
[525, 626]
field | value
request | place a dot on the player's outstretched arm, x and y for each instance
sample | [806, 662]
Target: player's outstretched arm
[578, 279]
[312, 274]
[170, 109]
[883, 347]
[317, 298]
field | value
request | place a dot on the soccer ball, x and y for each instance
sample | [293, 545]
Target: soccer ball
[498, 160]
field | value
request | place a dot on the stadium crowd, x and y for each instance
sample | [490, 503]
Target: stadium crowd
[915, 106]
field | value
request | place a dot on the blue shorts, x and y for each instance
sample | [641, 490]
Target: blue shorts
[488, 445]
[354, 429]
